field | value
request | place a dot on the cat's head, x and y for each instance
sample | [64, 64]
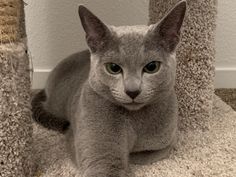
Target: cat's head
[133, 66]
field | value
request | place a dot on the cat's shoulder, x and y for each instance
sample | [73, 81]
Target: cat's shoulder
[78, 57]
[76, 61]
[75, 65]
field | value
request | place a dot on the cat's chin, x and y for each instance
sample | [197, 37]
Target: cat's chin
[133, 107]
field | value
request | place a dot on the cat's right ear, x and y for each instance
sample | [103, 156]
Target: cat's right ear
[167, 32]
[97, 33]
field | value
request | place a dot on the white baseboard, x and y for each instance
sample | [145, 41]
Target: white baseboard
[39, 78]
[225, 78]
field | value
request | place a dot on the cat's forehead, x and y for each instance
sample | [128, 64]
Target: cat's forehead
[130, 48]
[130, 38]
[130, 35]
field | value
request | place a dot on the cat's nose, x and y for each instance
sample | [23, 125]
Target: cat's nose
[132, 87]
[132, 93]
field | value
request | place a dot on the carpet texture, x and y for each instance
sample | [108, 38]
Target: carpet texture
[195, 57]
[15, 112]
[198, 153]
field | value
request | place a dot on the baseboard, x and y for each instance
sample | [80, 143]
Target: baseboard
[39, 78]
[225, 78]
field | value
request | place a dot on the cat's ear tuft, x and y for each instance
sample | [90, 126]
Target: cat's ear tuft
[97, 33]
[169, 29]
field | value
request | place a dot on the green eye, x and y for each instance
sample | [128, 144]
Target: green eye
[113, 68]
[152, 67]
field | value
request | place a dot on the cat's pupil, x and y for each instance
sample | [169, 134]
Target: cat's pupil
[113, 68]
[151, 66]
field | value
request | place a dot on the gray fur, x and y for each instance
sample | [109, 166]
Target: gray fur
[105, 126]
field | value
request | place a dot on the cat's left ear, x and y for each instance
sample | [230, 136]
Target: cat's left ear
[97, 33]
[166, 34]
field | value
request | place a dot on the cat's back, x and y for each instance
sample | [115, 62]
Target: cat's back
[66, 79]
[68, 69]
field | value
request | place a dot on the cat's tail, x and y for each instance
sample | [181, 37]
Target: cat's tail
[45, 118]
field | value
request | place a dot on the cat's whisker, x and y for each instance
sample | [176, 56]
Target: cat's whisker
[118, 97]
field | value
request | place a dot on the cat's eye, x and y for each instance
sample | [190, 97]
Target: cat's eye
[113, 68]
[152, 67]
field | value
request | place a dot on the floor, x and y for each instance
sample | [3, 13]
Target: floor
[227, 95]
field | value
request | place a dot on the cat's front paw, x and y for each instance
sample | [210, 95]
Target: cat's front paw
[112, 174]
[108, 176]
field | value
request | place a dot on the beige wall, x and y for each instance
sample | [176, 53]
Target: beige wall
[226, 34]
[54, 31]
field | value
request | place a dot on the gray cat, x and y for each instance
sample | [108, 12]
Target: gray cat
[116, 101]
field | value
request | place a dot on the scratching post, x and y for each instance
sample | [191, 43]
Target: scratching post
[195, 59]
[15, 114]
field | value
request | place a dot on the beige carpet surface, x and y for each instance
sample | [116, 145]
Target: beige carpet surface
[198, 153]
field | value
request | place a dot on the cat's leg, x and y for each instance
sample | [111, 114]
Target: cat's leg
[102, 149]
[150, 156]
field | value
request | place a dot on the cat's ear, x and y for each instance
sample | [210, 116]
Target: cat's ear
[167, 32]
[97, 33]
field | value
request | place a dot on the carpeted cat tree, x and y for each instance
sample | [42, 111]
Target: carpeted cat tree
[207, 136]
[15, 115]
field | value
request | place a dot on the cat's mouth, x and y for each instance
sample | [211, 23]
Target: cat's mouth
[133, 103]
[133, 106]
